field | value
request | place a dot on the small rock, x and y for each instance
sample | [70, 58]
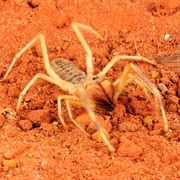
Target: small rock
[30, 155]
[173, 107]
[61, 4]
[171, 91]
[99, 153]
[85, 119]
[174, 99]
[9, 154]
[148, 121]
[9, 163]
[39, 116]
[47, 129]
[162, 87]
[128, 148]
[25, 125]
[13, 92]
[166, 36]
[158, 129]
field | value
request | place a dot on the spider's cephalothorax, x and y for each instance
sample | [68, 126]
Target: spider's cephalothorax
[93, 92]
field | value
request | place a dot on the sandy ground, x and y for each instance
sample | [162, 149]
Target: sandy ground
[34, 144]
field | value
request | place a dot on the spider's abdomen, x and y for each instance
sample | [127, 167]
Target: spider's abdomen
[67, 70]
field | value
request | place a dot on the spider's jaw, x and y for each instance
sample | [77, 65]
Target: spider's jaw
[108, 89]
[101, 96]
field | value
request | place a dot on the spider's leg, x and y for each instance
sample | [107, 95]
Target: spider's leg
[124, 80]
[89, 58]
[29, 45]
[94, 119]
[69, 99]
[117, 58]
[155, 91]
[142, 81]
[33, 80]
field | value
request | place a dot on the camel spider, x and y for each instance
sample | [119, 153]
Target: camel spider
[93, 92]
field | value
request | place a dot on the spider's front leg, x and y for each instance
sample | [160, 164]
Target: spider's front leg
[137, 77]
[92, 115]
[155, 91]
[39, 37]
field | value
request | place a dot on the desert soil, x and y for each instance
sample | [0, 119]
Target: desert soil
[33, 143]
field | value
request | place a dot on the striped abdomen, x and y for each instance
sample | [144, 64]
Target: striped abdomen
[67, 70]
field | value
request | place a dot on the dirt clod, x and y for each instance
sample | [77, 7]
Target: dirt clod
[37, 117]
[9, 163]
[25, 125]
[128, 148]
[9, 154]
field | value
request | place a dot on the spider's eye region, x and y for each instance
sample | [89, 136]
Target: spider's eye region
[95, 78]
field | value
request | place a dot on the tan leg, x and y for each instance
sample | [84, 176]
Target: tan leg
[39, 37]
[156, 93]
[76, 27]
[141, 80]
[125, 79]
[42, 76]
[117, 58]
[121, 82]
[69, 100]
[93, 117]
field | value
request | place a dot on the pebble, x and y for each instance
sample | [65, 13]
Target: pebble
[9, 163]
[166, 37]
[25, 125]
[8, 154]
[99, 153]
[162, 87]
[171, 91]
[34, 3]
[13, 92]
[128, 148]
[37, 117]
[128, 127]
